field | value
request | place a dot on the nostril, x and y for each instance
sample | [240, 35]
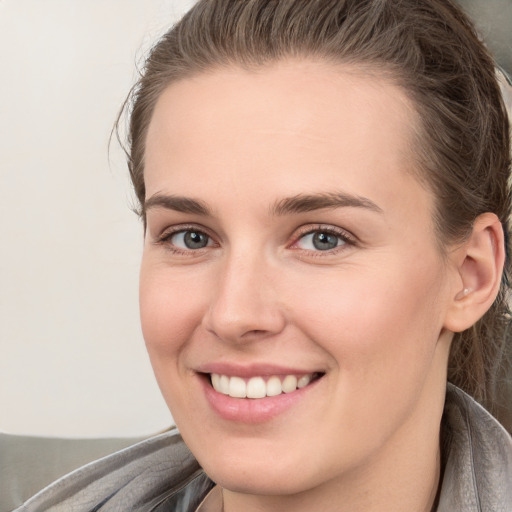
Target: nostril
[255, 332]
[254, 335]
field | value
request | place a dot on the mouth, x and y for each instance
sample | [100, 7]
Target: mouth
[258, 387]
[256, 394]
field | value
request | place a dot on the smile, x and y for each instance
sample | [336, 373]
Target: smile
[260, 387]
[258, 393]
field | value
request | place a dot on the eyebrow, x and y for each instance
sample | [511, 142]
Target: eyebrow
[177, 203]
[300, 203]
[309, 202]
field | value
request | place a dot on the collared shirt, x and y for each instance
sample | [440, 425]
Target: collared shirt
[212, 502]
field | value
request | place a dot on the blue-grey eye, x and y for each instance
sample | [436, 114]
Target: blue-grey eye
[320, 241]
[190, 240]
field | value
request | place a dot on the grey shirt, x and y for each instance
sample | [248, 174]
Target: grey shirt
[160, 474]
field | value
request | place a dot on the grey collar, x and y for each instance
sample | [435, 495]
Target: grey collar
[478, 453]
[161, 475]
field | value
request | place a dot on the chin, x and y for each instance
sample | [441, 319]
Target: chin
[261, 480]
[260, 470]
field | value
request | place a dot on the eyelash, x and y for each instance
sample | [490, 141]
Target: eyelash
[165, 239]
[347, 239]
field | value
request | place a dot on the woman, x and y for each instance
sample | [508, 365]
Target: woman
[324, 191]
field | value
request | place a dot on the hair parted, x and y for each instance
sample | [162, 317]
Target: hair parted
[428, 48]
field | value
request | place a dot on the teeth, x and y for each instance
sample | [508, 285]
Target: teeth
[274, 387]
[304, 381]
[237, 387]
[224, 384]
[215, 380]
[257, 387]
[289, 383]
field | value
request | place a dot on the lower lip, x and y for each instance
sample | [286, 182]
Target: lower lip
[252, 410]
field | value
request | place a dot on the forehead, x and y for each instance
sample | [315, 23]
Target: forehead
[287, 125]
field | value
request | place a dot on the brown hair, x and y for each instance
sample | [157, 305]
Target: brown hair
[431, 50]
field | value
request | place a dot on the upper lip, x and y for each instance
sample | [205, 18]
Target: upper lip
[252, 370]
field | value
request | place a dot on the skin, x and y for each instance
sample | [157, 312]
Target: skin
[372, 314]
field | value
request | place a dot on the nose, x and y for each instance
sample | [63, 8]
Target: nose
[244, 304]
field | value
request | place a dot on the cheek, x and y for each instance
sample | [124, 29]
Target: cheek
[170, 310]
[373, 322]
[381, 331]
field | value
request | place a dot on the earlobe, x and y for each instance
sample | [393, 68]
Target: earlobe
[480, 267]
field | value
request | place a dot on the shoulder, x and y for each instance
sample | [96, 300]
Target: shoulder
[478, 458]
[159, 473]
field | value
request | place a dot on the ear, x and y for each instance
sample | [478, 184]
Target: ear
[479, 263]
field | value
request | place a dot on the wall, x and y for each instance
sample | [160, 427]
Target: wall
[72, 358]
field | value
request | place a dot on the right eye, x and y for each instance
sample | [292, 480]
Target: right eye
[188, 239]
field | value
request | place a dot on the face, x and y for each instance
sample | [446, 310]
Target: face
[290, 255]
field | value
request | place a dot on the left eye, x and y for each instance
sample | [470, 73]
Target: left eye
[190, 240]
[320, 241]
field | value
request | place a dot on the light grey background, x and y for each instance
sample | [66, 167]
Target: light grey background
[494, 22]
[72, 358]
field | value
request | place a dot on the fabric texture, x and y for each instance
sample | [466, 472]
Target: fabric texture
[29, 463]
[478, 453]
[213, 502]
[161, 475]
